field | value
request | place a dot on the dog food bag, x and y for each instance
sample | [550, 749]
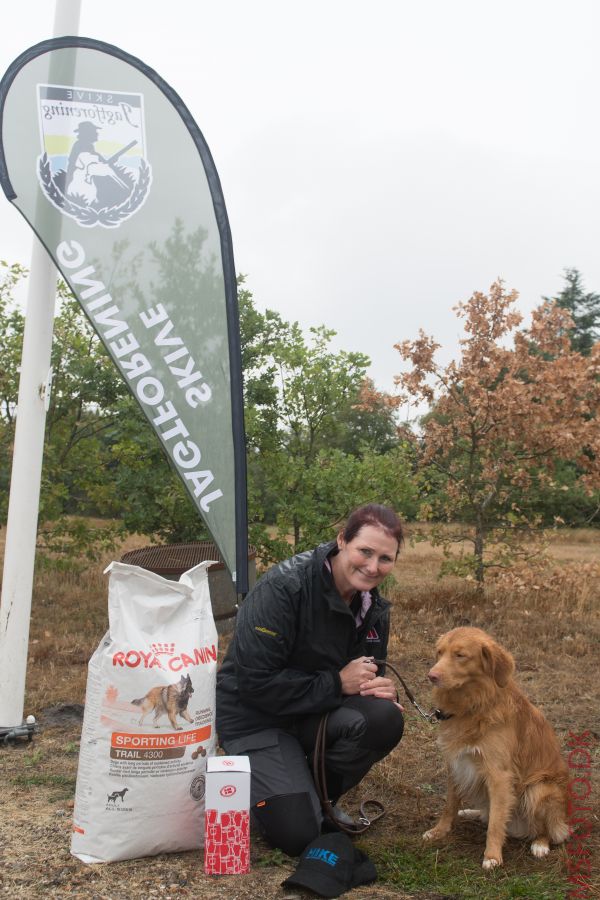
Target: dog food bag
[149, 720]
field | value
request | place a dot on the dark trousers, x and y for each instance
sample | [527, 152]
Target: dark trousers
[284, 799]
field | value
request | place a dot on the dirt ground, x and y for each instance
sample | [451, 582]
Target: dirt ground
[555, 638]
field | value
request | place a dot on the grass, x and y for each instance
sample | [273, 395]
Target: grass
[38, 779]
[273, 857]
[415, 869]
[33, 759]
[550, 624]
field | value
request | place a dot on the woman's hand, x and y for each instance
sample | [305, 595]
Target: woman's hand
[357, 673]
[379, 687]
[360, 677]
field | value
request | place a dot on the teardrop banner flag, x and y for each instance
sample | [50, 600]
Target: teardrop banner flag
[109, 168]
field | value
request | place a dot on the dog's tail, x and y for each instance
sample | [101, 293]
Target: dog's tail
[138, 702]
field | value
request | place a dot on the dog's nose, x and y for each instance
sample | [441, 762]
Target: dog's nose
[433, 677]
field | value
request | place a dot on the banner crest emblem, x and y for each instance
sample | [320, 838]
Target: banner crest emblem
[93, 164]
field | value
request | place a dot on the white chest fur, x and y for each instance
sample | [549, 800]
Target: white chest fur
[467, 775]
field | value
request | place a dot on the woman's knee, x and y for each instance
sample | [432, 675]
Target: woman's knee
[287, 821]
[383, 722]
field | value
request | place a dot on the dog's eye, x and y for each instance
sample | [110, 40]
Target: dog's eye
[460, 656]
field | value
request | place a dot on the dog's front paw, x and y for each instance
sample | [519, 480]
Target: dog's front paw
[435, 834]
[490, 862]
[540, 849]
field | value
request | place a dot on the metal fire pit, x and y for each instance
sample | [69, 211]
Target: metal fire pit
[172, 560]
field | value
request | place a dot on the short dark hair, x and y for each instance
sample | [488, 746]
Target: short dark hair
[374, 514]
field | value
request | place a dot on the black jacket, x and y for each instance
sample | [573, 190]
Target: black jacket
[293, 635]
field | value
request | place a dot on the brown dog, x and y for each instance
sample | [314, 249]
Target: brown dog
[502, 755]
[171, 700]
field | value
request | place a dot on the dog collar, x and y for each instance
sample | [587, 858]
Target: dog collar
[442, 716]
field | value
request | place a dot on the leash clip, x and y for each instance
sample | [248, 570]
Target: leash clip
[435, 715]
[430, 717]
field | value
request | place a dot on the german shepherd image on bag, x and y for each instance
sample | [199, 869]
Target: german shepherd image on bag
[171, 700]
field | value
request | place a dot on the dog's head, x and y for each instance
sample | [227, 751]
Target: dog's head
[469, 654]
[185, 685]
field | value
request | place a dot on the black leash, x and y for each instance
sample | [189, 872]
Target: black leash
[436, 715]
[320, 780]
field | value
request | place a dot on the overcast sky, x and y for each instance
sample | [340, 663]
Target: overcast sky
[380, 161]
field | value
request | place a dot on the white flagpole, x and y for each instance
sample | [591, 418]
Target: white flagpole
[21, 526]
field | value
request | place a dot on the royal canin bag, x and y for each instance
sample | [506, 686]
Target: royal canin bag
[149, 720]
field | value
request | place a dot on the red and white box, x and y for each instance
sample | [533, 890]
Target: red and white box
[227, 816]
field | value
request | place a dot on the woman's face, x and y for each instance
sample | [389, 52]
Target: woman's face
[363, 562]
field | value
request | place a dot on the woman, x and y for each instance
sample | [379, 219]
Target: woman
[304, 645]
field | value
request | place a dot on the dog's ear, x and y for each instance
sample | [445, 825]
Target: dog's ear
[497, 663]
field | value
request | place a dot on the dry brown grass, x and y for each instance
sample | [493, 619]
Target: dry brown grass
[554, 634]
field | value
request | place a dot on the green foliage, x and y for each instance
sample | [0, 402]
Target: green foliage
[320, 494]
[584, 309]
[85, 389]
[370, 427]
[315, 451]
[32, 759]
[273, 857]
[11, 339]
[68, 544]
[84, 412]
[562, 499]
[152, 499]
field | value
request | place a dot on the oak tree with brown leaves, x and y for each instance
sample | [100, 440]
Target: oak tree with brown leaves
[517, 400]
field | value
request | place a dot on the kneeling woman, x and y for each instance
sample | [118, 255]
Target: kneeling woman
[303, 646]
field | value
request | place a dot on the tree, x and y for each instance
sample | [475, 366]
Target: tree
[501, 417]
[83, 410]
[83, 417]
[301, 465]
[564, 498]
[86, 391]
[336, 482]
[315, 449]
[369, 421]
[584, 309]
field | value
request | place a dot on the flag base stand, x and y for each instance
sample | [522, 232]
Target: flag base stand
[15, 732]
